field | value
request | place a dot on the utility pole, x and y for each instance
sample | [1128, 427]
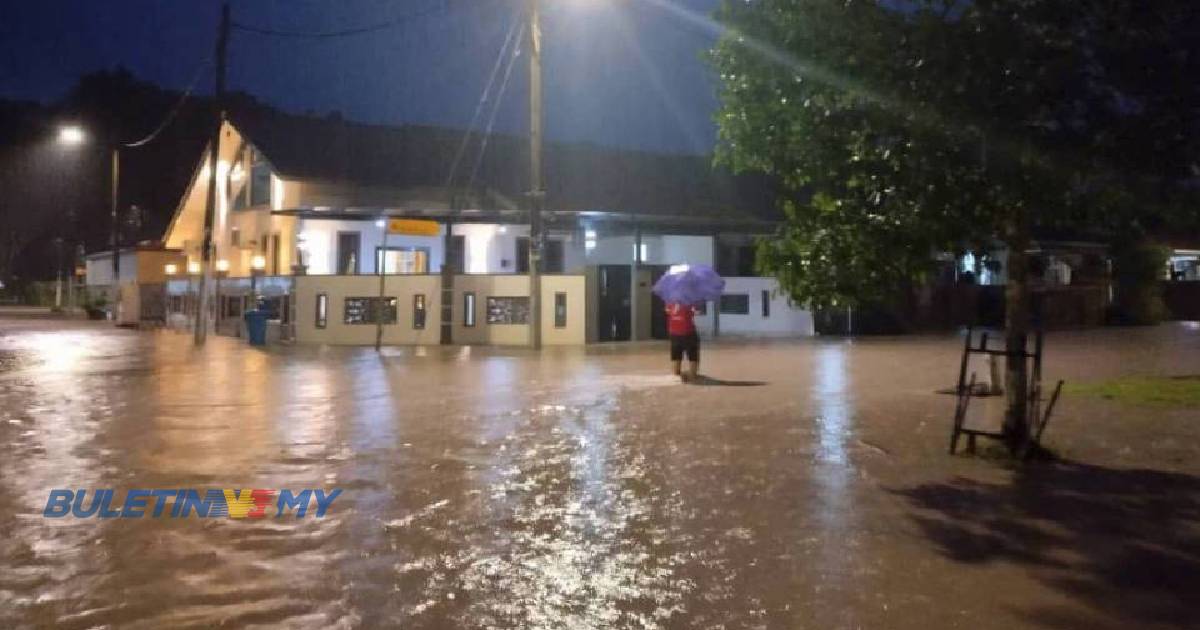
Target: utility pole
[114, 208]
[537, 191]
[214, 156]
[634, 273]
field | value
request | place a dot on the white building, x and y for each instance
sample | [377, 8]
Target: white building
[309, 210]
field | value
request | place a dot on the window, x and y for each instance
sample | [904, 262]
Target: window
[235, 238]
[560, 310]
[508, 310]
[469, 309]
[735, 304]
[457, 256]
[348, 244]
[766, 303]
[552, 255]
[402, 260]
[260, 179]
[322, 310]
[419, 311]
[368, 310]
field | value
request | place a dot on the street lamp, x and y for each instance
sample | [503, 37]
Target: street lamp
[193, 270]
[257, 264]
[71, 135]
[74, 135]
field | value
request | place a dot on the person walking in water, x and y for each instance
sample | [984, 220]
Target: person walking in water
[681, 325]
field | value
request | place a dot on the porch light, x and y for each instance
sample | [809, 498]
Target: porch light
[258, 262]
[170, 269]
[193, 268]
[222, 265]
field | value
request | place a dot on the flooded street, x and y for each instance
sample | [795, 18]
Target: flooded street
[805, 484]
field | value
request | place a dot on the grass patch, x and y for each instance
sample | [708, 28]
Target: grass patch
[1178, 391]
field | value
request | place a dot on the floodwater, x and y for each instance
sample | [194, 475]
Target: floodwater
[805, 484]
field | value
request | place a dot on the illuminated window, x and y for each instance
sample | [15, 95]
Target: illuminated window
[508, 310]
[367, 310]
[402, 260]
[322, 310]
[560, 310]
[419, 311]
[469, 309]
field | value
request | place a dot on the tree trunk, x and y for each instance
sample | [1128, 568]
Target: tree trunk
[1016, 331]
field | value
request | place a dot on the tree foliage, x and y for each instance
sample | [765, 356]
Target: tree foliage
[899, 130]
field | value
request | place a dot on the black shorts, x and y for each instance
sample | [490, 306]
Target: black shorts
[685, 344]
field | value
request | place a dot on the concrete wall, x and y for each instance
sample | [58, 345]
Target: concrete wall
[338, 288]
[784, 320]
[99, 268]
[136, 266]
[404, 287]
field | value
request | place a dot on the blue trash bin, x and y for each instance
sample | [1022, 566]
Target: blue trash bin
[256, 327]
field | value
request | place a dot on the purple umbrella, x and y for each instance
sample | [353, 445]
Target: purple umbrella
[689, 284]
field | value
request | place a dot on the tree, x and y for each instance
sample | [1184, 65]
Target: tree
[899, 130]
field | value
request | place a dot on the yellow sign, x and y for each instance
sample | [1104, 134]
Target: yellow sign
[414, 227]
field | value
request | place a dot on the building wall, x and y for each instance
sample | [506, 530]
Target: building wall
[404, 287]
[320, 239]
[784, 319]
[338, 288]
[136, 266]
[99, 268]
[665, 249]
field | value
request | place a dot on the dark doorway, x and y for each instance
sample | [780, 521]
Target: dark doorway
[347, 253]
[612, 318]
[457, 256]
[658, 308]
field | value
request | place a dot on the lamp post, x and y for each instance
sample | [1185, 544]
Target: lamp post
[193, 270]
[73, 276]
[74, 135]
[222, 267]
[257, 264]
[536, 185]
[58, 274]
[169, 269]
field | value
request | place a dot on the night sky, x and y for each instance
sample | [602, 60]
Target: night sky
[618, 72]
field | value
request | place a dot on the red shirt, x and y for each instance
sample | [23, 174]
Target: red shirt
[680, 319]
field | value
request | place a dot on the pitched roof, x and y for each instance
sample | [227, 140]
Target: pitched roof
[578, 176]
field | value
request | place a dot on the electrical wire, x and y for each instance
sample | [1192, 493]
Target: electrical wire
[487, 89]
[496, 107]
[362, 30]
[171, 115]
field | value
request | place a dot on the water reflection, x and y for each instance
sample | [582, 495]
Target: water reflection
[833, 512]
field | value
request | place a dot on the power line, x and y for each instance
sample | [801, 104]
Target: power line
[496, 107]
[362, 30]
[487, 90]
[166, 122]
